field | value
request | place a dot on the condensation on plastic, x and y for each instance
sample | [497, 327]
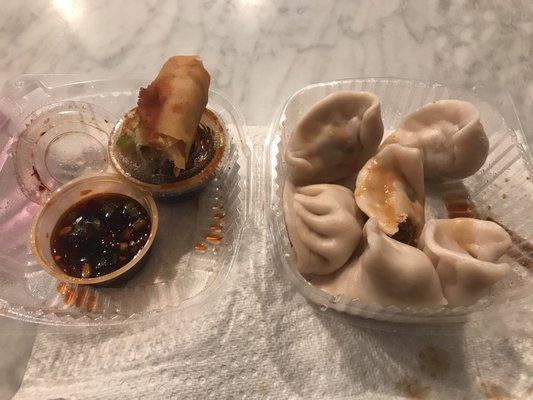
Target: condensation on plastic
[501, 189]
[177, 279]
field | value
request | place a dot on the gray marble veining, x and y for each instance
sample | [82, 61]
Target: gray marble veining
[261, 51]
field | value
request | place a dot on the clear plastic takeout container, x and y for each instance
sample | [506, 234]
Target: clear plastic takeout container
[502, 190]
[54, 128]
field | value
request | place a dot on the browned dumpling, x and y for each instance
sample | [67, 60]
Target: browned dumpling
[335, 138]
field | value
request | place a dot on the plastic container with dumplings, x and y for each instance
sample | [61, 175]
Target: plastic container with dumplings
[502, 190]
[54, 134]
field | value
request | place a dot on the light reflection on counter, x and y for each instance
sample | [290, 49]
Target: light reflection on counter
[67, 9]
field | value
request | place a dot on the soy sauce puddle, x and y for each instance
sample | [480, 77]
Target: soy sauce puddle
[99, 235]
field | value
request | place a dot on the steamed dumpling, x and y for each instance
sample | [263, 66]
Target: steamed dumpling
[335, 138]
[387, 273]
[450, 135]
[323, 226]
[465, 252]
[390, 188]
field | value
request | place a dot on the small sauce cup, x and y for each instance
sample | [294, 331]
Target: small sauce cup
[199, 179]
[67, 196]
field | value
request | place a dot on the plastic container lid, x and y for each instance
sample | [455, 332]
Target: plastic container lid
[61, 142]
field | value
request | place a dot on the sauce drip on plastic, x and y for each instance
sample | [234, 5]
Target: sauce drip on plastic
[99, 235]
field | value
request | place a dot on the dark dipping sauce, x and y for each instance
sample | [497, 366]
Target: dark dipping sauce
[99, 235]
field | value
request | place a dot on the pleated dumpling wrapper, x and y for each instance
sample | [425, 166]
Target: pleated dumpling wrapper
[390, 188]
[465, 252]
[335, 138]
[387, 273]
[324, 226]
[450, 135]
[171, 107]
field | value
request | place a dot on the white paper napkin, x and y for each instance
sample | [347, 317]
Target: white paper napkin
[261, 339]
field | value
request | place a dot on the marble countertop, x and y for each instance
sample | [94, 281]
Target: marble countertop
[259, 52]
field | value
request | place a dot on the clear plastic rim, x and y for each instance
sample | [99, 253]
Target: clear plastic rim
[22, 142]
[327, 301]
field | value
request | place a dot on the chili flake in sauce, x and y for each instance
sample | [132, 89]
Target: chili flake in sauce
[99, 235]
